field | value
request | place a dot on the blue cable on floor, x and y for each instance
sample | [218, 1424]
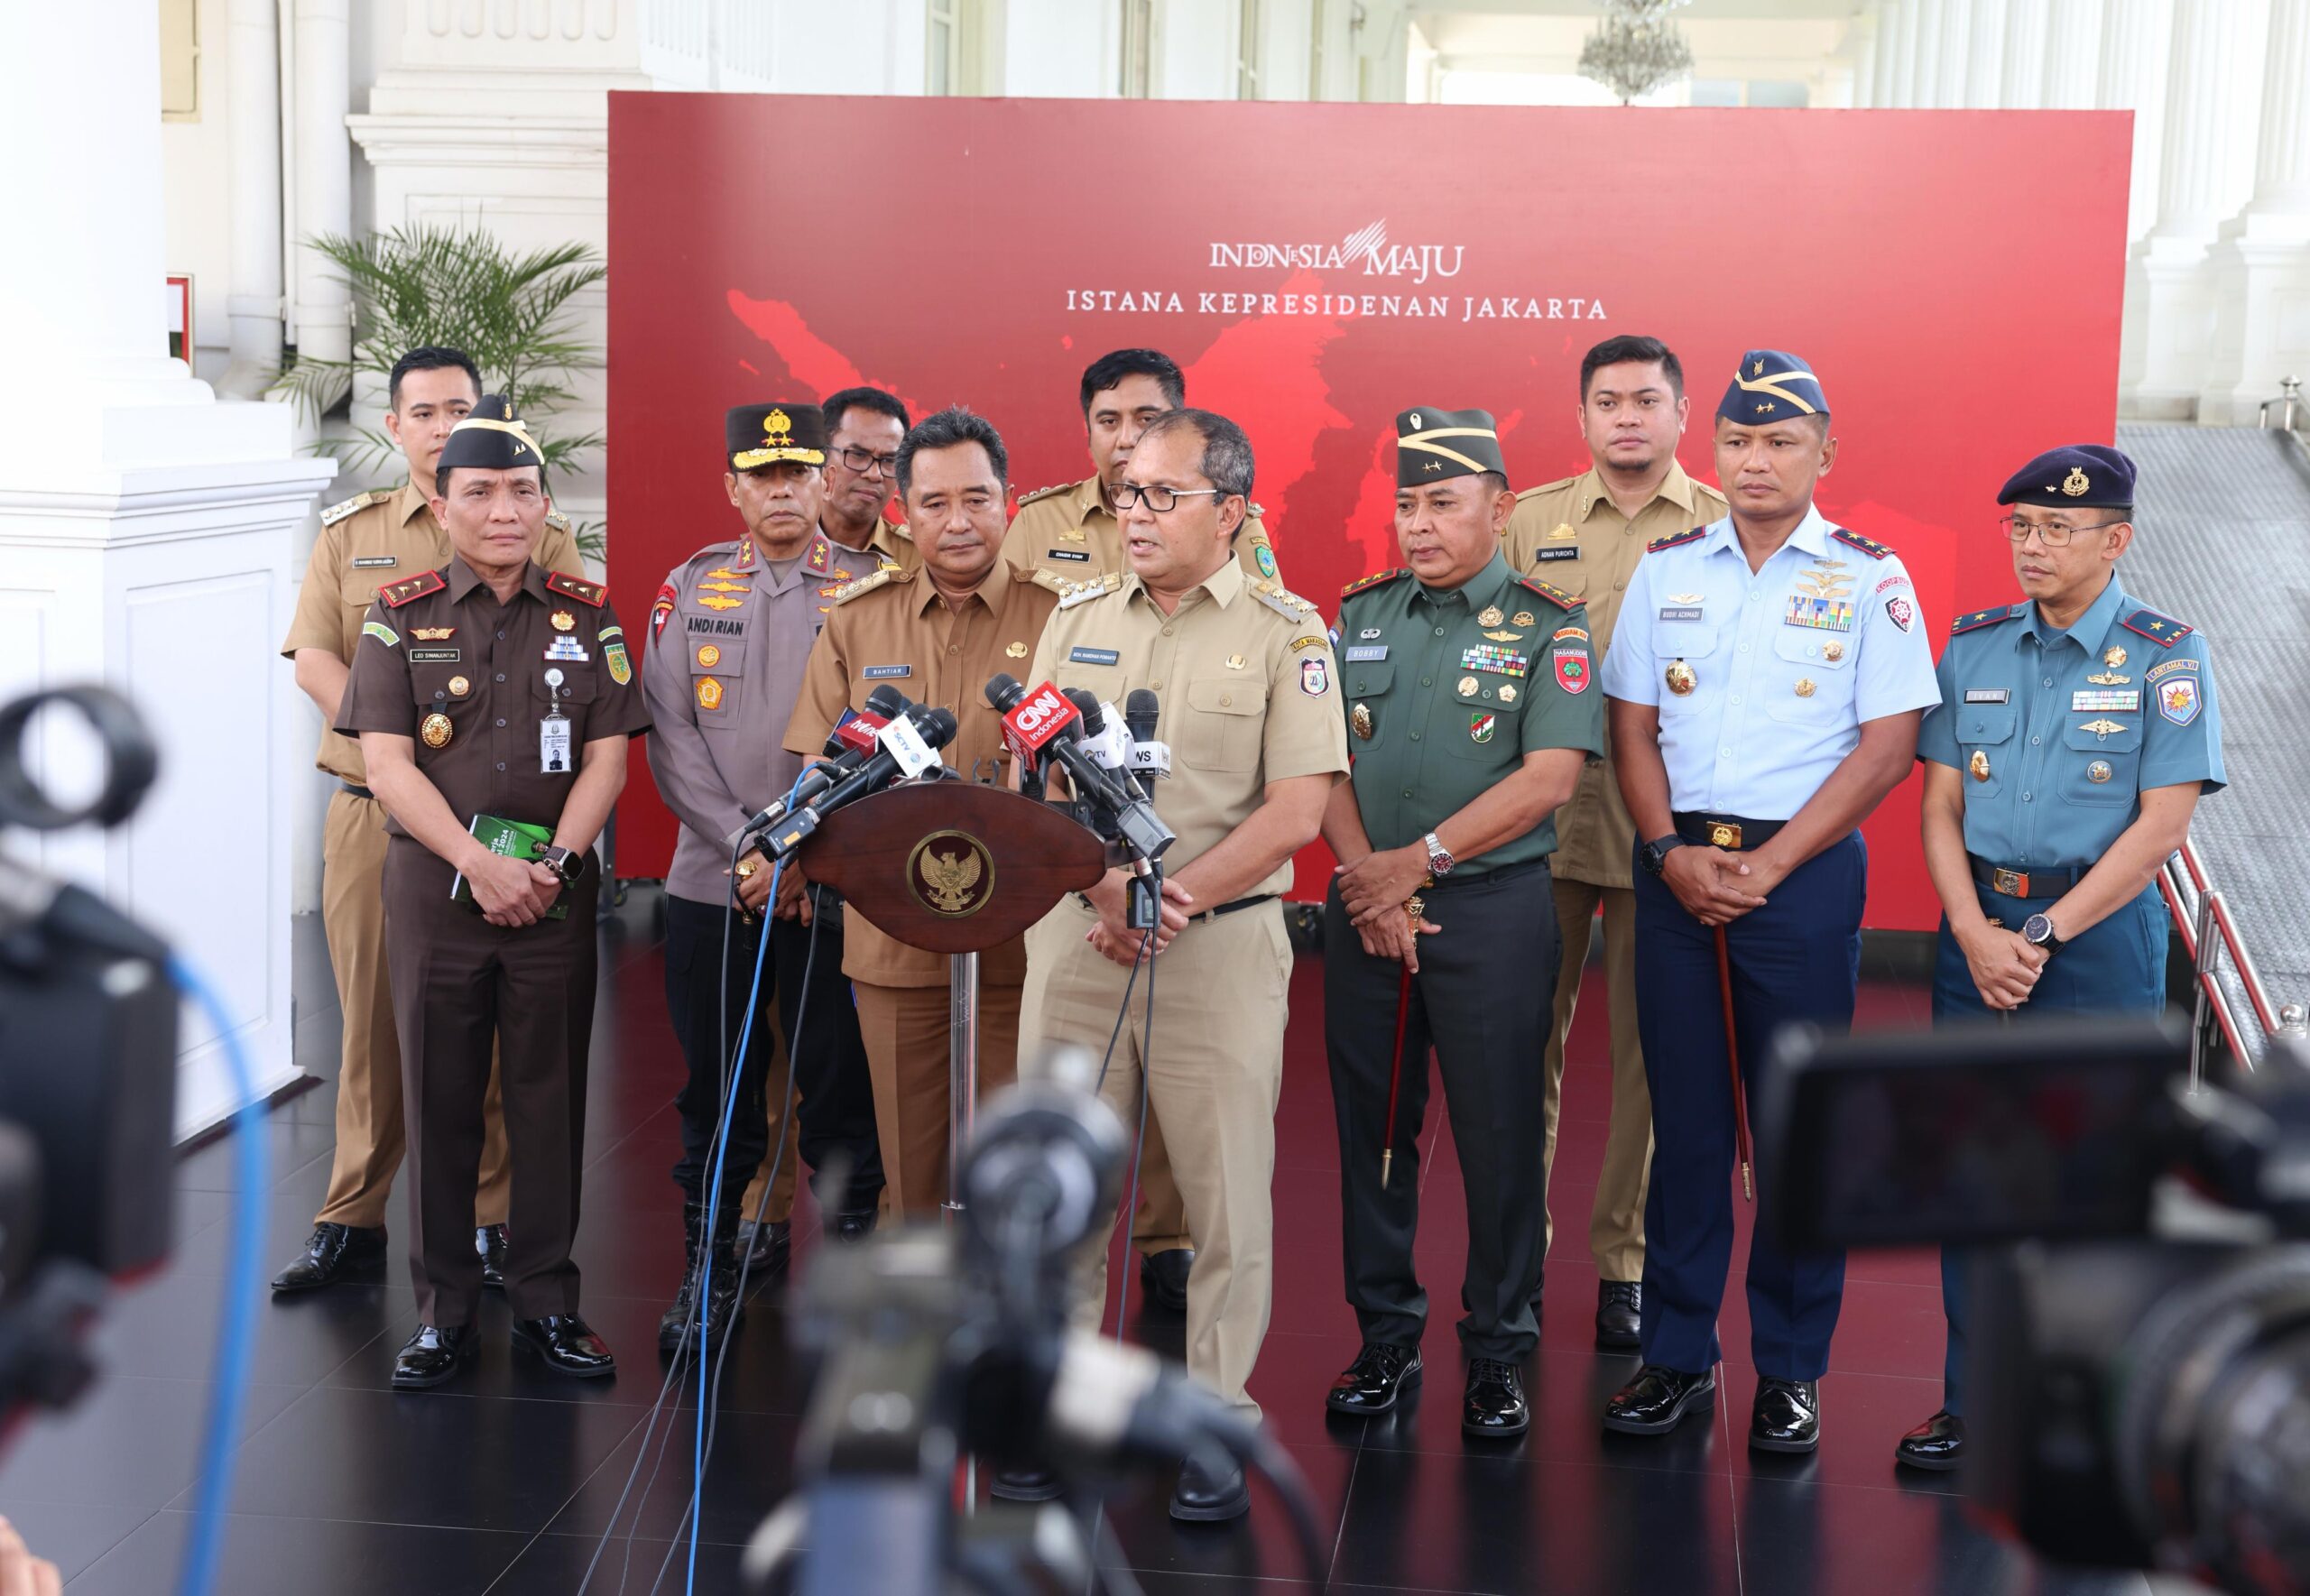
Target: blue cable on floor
[236, 1340]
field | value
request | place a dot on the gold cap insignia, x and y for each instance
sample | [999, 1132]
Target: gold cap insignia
[778, 430]
[2074, 484]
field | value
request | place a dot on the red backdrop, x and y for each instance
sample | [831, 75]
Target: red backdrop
[1954, 276]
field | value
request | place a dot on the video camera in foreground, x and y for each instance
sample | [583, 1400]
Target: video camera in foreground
[2141, 1329]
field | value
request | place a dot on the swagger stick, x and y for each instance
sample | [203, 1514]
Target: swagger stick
[1733, 1057]
[1413, 909]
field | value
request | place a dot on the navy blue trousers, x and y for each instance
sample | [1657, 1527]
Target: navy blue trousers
[2118, 967]
[1798, 958]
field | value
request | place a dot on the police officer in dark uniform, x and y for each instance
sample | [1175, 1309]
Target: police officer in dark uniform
[1471, 708]
[2076, 732]
[489, 695]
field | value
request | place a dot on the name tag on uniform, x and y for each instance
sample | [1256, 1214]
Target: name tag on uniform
[436, 656]
[880, 672]
[1366, 653]
[1083, 656]
[2084, 698]
[1988, 695]
[1545, 554]
[1680, 613]
[374, 562]
[1074, 554]
[714, 624]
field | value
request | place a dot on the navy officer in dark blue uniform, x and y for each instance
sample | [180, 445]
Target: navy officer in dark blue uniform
[1764, 688]
[2076, 731]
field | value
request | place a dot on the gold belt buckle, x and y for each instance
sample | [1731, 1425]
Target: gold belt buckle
[1723, 833]
[2013, 883]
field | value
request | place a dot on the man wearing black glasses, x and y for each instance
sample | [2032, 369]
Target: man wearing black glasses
[864, 429]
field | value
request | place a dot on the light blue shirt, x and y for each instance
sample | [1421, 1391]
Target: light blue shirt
[2058, 733]
[1784, 664]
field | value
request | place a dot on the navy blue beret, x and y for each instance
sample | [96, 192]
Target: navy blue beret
[2081, 475]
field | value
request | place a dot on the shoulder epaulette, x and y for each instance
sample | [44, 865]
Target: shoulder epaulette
[336, 512]
[399, 593]
[2162, 630]
[1981, 618]
[1051, 581]
[1373, 580]
[1253, 512]
[1281, 600]
[1084, 592]
[1064, 487]
[577, 587]
[1675, 540]
[1868, 546]
[1548, 591]
[1546, 487]
[878, 577]
[557, 521]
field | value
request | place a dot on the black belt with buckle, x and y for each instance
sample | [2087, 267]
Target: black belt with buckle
[1729, 832]
[2042, 882]
[1213, 914]
[360, 792]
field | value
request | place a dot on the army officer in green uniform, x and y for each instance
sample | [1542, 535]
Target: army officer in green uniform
[1471, 709]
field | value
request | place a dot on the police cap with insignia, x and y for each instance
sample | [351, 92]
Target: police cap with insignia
[1772, 385]
[1433, 445]
[491, 437]
[2083, 475]
[762, 435]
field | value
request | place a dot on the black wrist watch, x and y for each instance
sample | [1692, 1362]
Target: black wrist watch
[2038, 932]
[1654, 854]
[566, 862]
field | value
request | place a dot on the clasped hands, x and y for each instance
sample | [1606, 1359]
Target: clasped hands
[510, 892]
[1374, 891]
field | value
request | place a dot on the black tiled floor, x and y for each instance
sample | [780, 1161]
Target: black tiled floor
[504, 1483]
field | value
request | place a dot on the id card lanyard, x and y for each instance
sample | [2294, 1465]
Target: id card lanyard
[553, 731]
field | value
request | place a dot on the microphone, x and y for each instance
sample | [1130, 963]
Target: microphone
[1041, 722]
[906, 745]
[851, 743]
[1149, 758]
[1104, 738]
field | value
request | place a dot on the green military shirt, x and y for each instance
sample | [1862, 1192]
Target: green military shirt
[1446, 692]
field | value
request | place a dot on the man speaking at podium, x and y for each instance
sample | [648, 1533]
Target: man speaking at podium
[1251, 715]
[936, 632]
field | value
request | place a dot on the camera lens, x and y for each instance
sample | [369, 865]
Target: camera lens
[129, 760]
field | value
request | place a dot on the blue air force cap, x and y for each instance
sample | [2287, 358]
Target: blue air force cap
[2083, 475]
[1772, 385]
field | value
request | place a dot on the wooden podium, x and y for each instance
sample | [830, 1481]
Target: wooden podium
[954, 867]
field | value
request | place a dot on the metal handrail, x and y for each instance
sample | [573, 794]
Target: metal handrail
[2207, 932]
[2290, 396]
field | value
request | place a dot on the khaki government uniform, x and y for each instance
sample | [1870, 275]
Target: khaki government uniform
[1070, 530]
[1570, 534]
[1249, 696]
[894, 627]
[439, 647]
[369, 541]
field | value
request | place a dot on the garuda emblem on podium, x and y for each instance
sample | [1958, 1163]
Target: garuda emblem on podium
[951, 873]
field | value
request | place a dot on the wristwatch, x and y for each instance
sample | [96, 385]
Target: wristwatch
[566, 862]
[2038, 930]
[1654, 854]
[1439, 858]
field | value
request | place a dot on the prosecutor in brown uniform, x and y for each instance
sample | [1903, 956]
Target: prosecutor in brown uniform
[1585, 535]
[935, 633]
[494, 688]
[369, 540]
[1251, 712]
[729, 632]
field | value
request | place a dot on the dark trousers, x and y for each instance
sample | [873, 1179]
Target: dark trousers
[460, 984]
[836, 1117]
[1481, 998]
[2117, 967]
[1798, 958]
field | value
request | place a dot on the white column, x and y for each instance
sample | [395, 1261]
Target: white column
[324, 177]
[2212, 91]
[145, 533]
[2023, 87]
[1913, 85]
[1864, 60]
[1985, 68]
[1954, 27]
[2135, 35]
[2260, 266]
[2073, 53]
[252, 113]
[1884, 86]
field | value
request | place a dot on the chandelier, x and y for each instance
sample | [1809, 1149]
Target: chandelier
[1636, 49]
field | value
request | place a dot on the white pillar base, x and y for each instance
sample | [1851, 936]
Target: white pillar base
[2260, 274]
[2170, 306]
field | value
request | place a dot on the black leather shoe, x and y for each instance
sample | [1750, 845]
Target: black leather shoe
[1371, 1384]
[1494, 1408]
[1165, 1276]
[1023, 1485]
[854, 1226]
[1620, 1315]
[434, 1354]
[1656, 1399]
[489, 1240]
[1785, 1417]
[678, 1325]
[568, 1344]
[1937, 1445]
[1204, 1498]
[331, 1252]
[769, 1248]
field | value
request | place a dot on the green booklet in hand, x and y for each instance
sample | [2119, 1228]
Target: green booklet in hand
[516, 839]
